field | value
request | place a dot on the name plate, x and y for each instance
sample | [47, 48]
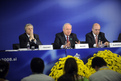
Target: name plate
[45, 47]
[115, 44]
[81, 46]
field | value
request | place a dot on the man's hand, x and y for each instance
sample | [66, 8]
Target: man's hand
[77, 42]
[106, 43]
[68, 45]
[99, 44]
[31, 36]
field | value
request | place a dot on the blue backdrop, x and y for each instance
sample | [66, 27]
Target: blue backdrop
[48, 17]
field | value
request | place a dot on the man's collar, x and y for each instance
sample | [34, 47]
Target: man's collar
[94, 34]
[103, 68]
[65, 36]
[27, 35]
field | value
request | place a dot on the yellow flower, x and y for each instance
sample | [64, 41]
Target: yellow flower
[113, 60]
[58, 68]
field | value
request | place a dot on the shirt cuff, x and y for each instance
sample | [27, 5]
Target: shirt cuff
[62, 46]
[35, 41]
[94, 45]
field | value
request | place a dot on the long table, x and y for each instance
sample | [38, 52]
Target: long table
[20, 60]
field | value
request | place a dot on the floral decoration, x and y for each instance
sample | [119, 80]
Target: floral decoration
[58, 69]
[113, 62]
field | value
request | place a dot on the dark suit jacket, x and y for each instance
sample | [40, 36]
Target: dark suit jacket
[60, 40]
[91, 40]
[119, 37]
[23, 40]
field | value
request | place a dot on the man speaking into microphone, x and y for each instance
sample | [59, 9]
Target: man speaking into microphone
[65, 39]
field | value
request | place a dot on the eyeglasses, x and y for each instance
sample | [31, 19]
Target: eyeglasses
[97, 29]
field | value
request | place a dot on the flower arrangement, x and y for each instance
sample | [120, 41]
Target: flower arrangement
[113, 60]
[58, 69]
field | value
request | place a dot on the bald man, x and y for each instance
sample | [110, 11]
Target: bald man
[65, 39]
[95, 36]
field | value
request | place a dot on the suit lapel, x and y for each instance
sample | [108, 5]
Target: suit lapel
[93, 38]
[26, 36]
[70, 37]
[63, 38]
[99, 36]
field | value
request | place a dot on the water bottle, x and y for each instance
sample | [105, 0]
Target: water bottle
[99, 44]
[28, 45]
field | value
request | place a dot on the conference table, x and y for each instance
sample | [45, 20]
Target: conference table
[20, 59]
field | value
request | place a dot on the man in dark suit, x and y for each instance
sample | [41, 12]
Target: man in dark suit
[95, 36]
[29, 37]
[65, 39]
[119, 37]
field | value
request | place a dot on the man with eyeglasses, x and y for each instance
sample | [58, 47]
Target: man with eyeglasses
[96, 38]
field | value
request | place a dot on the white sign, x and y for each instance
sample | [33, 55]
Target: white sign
[45, 47]
[81, 46]
[115, 44]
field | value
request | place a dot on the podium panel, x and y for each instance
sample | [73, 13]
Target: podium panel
[87, 53]
[20, 62]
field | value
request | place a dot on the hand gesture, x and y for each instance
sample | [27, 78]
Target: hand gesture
[77, 42]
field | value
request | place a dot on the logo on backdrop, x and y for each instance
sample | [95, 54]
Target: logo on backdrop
[9, 59]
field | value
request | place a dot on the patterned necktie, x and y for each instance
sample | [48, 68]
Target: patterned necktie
[67, 39]
[96, 40]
